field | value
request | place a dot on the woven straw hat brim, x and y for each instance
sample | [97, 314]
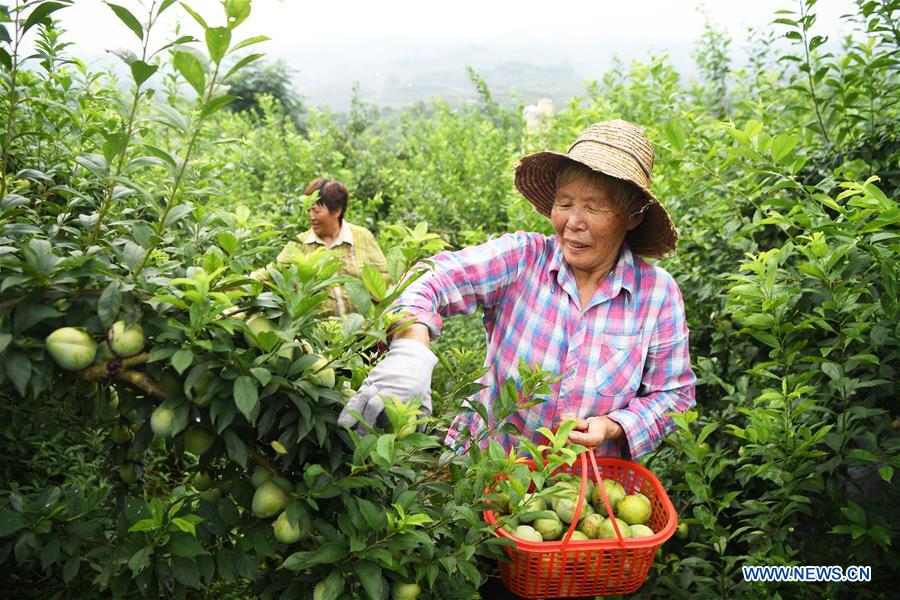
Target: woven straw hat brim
[535, 178]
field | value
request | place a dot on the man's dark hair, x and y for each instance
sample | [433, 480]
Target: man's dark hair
[333, 195]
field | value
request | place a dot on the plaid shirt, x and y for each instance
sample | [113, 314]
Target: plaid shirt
[624, 356]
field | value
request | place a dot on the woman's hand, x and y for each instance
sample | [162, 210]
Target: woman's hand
[404, 373]
[592, 431]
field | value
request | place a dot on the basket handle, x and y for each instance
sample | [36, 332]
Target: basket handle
[579, 505]
[609, 510]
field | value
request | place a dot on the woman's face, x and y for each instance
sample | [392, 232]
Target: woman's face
[589, 225]
[323, 221]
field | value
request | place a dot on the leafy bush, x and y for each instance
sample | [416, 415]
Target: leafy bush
[153, 206]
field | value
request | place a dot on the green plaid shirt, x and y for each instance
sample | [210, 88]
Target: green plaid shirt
[354, 247]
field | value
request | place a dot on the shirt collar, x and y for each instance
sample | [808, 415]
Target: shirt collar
[344, 237]
[621, 277]
[624, 272]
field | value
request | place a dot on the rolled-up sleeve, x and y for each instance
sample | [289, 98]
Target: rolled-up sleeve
[667, 384]
[460, 281]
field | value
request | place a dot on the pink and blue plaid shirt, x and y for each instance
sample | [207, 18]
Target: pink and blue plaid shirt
[625, 355]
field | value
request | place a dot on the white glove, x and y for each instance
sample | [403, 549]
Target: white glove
[404, 372]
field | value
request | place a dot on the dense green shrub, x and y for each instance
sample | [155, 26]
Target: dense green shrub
[154, 206]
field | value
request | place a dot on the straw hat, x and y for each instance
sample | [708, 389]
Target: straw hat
[616, 148]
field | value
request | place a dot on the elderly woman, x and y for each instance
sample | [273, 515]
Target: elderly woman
[583, 303]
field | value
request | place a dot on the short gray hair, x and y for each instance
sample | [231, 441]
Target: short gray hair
[625, 194]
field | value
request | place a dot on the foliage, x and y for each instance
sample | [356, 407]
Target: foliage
[153, 205]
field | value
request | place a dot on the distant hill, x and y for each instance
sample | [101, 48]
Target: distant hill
[513, 75]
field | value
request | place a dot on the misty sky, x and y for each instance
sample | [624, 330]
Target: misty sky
[330, 44]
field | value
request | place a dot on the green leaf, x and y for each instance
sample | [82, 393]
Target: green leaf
[10, 522]
[144, 525]
[191, 69]
[18, 369]
[854, 513]
[370, 577]
[215, 104]
[311, 473]
[236, 11]
[217, 41]
[237, 451]
[164, 5]
[832, 370]
[172, 118]
[131, 254]
[178, 212]
[374, 282]
[241, 64]
[782, 144]
[766, 338]
[263, 376]
[707, 429]
[50, 552]
[384, 450]
[421, 518]
[114, 144]
[863, 454]
[816, 41]
[185, 571]
[29, 315]
[246, 397]
[297, 512]
[70, 570]
[760, 320]
[698, 488]
[249, 42]
[157, 511]
[886, 472]
[332, 587]
[95, 163]
[141, 71]
[358, 296]
[41, 13]
[182, 359]
[194, 14]
[126, 56]
[163, 155]
[181, 544]
[109, 303]
[327, 553]
[373, 515]
[185, 526]
[353, 323]
[674, 132]
[129, 19]
[227, 241]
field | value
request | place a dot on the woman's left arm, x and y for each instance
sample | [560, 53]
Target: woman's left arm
[667, 384]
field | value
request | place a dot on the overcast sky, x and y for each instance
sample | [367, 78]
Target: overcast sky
[338, 41]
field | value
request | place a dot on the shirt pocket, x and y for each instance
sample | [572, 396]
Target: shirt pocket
[620, 365]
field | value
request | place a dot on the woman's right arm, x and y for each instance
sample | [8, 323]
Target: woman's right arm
[461, 281]
[456, 282]
[416, 332]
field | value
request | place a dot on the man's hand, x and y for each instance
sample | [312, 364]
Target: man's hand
[592, 431]
[405, 373]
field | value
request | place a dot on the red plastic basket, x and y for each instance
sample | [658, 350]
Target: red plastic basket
[572, 568]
